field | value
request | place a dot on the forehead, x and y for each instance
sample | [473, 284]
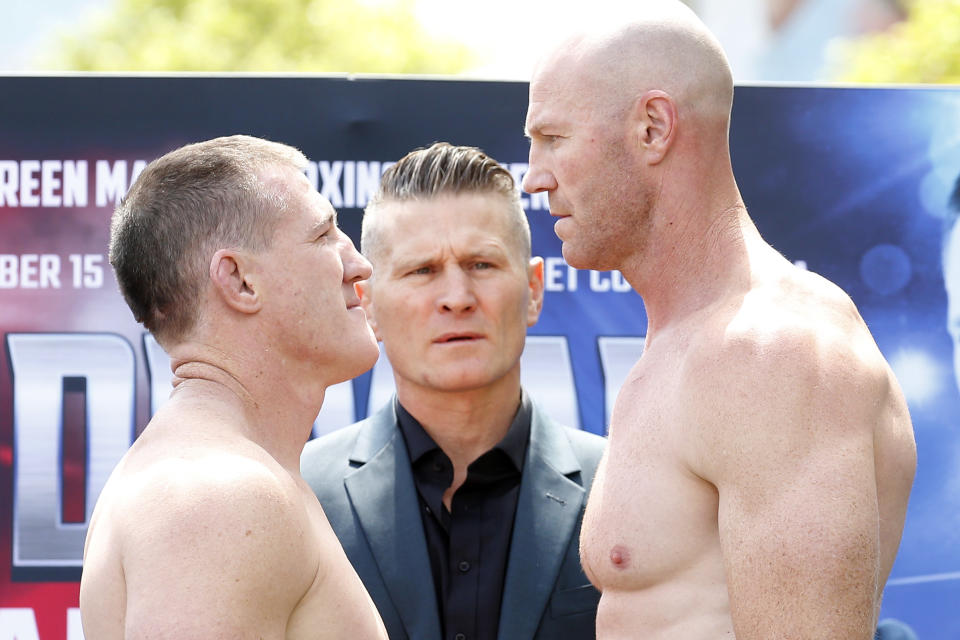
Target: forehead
[465, 218]
[559, 94]
[302, 202]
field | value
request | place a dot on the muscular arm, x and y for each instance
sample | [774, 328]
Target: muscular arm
[790, 449]
[215, 557]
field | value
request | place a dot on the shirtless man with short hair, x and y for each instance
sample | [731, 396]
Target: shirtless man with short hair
[760, 452]
[206, 529]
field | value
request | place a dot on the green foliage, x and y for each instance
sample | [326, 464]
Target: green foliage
[357, 36]
[924, 48]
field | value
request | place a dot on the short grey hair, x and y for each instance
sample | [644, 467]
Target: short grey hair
[443, 169]
[182, 208]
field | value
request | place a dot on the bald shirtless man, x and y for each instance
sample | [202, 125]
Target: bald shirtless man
[205, 529]
[760, 452]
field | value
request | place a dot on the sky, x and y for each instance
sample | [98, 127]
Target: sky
[29, 25]
[508, 35]
[522, 28]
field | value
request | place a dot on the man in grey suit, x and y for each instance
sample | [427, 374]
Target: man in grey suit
[459, 502]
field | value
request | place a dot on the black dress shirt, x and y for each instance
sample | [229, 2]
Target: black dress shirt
[468, 545]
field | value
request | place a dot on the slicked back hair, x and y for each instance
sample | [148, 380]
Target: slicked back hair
[440, 170]
[185, 206]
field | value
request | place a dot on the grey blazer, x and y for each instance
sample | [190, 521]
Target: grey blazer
[362, 477]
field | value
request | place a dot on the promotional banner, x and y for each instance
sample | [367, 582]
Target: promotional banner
[850, 183]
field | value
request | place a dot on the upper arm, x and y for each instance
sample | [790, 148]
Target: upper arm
[215, 561]
[791, 455]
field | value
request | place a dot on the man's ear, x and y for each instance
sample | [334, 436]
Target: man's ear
[535, 282]
[364, 290]
[234, 281]
[657, 119]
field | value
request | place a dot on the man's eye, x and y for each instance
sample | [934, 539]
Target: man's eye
[482, 265]
[420, 271]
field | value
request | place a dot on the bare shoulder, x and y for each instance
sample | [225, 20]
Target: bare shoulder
[794, 358]
[233, 495]
[806, 319]
[799, 424]
[223, 538]
[801, 334]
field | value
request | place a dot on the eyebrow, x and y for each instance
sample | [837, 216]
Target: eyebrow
[320, 224]
[403, 266]
[486, 253]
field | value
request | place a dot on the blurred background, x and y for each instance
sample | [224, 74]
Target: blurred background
[846, 41]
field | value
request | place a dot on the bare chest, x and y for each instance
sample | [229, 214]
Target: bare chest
[650, 519]
[336, 605]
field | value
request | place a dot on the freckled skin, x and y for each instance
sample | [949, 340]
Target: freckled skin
[761, 453]
[710, 509]
[206, 529]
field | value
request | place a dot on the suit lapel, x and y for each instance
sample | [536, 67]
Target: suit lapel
[547, 512]
[385, 500]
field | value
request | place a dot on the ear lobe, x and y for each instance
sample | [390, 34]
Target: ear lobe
[535, 305]
[364, 290]
[234, 282]
[658, 119]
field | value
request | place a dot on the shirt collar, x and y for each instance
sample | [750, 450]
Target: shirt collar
[513, 444]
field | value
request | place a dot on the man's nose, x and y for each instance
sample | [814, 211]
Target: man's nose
[537, 178]
[457, 292]
[355, 266]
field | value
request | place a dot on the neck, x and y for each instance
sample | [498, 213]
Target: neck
[692, 260]
[464, 424]
[263, 407]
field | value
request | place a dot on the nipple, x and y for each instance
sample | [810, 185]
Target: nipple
[620, 557]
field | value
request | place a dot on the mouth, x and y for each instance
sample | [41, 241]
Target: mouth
[459, 337]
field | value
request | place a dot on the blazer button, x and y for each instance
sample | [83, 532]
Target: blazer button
[460, 636]
[464, 566]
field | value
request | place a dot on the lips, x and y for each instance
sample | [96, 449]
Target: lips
[560, 226]
[455, 337]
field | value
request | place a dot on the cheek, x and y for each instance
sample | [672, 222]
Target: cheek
[513, 315]
[398, 318]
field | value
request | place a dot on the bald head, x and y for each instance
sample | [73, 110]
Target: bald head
[629, 129]
[664, 47]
